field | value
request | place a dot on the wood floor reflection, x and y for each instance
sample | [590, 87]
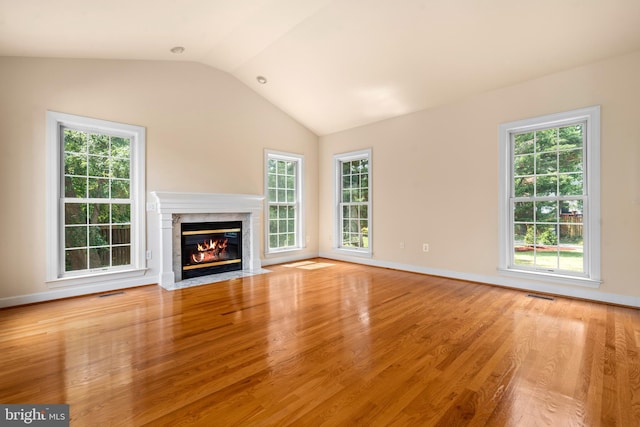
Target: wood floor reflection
[339, 345]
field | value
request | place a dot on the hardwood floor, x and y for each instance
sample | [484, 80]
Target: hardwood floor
[340, 345]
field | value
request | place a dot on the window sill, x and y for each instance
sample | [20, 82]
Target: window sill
[550, 277]
[96, 278]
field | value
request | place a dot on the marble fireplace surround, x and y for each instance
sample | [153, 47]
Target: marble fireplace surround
[177, 208]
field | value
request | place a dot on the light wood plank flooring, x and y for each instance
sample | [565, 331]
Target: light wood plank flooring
[340, 345]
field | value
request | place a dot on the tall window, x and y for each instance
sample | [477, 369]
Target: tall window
[96, 196]
[550, 195]
[284, 201]
[353, 195]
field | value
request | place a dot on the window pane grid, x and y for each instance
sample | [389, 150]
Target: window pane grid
[282, 200]
[547, 197]
[355, 224]
[354, 203]
[97, 200]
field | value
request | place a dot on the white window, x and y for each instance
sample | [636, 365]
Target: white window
[353, 201]
[283, 182]
[96, 218]
[550, 197]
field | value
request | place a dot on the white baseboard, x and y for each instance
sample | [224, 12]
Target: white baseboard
[75, 291]
[526, 285]
[491, 280]
[278, 259]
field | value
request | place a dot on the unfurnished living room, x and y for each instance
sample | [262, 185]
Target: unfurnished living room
[320, 212]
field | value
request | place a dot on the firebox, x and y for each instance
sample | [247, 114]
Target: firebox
[211, 248]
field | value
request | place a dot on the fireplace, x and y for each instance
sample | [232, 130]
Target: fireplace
[176, 210]
[210, 248]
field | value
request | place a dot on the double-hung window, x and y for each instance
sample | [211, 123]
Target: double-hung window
[550, 197]
[96, 197]
[353, 197]
[284, 201]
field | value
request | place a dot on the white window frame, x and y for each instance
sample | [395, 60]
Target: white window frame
[55, 275]
[591, 207]
[298, 204]
[338, 159]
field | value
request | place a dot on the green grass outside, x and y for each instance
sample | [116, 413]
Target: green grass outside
[569, 260]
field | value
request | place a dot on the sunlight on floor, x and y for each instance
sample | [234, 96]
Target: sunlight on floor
[308, 265]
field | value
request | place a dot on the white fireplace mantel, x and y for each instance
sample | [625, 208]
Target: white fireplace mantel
[169, 205]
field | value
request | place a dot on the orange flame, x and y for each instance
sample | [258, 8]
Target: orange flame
[210, 251]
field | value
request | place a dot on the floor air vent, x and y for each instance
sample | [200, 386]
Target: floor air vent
[548, 298]
[111, 294]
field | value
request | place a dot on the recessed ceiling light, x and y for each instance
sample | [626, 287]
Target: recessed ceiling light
[261, 79]
[177, 49]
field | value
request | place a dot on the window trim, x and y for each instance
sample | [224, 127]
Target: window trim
[590, 115]
[299, 205]
[337, 199]
[55, 276]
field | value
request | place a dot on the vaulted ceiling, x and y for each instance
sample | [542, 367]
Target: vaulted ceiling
[336, 64]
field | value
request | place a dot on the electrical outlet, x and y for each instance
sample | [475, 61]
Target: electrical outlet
[425, 247]
[148, 254]
[401, 245]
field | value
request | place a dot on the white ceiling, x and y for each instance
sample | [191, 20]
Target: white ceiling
[336, 64]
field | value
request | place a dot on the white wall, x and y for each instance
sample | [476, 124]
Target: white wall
[436, 169]
[435, 178]
[206, 132]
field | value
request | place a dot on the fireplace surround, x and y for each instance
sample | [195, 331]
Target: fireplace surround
[176, 209]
